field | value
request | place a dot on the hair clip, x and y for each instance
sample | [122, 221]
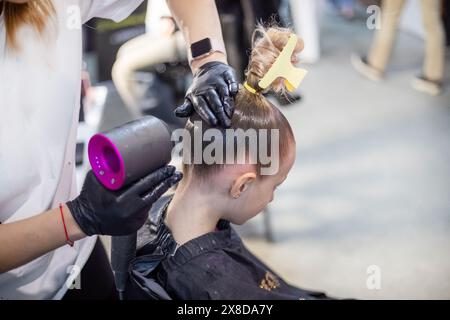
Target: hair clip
[283, 68]
[250, 88]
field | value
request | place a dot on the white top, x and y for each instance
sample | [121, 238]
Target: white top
[156, 10]
[39, 108]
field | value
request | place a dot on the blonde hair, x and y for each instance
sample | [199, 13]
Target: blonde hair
[254, 110]
[35, 13]
[268, 42]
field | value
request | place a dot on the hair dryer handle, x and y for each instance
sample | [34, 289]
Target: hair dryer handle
[123, 250]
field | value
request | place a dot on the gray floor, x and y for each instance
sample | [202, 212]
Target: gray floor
[371, 184]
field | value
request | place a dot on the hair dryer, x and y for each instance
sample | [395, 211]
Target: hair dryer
[121, 156]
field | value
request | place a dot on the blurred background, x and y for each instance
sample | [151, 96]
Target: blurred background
[365, 212]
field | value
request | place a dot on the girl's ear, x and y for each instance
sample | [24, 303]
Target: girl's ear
[241, 184]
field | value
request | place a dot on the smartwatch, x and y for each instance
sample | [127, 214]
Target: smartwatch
[204, 48]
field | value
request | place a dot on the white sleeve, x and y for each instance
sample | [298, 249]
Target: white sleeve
[156, 9]
[115, 10]
[159, 8]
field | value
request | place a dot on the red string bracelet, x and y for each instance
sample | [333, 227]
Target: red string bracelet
[69, 242]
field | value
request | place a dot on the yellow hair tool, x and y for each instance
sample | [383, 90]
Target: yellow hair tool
[283, 68]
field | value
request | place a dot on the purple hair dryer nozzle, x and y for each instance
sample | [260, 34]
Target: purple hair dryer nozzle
[130, 152]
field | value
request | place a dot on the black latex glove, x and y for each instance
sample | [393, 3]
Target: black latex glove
[211, 94]
[98, 210]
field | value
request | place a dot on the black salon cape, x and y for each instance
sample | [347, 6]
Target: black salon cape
[216, 265]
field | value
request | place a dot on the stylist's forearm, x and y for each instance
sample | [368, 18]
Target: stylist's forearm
[198, 19]
[26, 240]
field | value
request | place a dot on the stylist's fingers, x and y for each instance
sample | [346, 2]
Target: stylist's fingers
[227, 101]
[185, 110]
[161, 188]
[90, 180]
[231, 81]
[216, 105]
[203, 110]
[149, 182]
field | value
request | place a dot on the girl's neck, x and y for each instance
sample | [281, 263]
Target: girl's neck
[191, 214]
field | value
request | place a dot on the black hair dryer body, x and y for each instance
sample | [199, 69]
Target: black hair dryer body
[122, 156]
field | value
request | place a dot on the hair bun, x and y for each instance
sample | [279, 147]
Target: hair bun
[268, 42]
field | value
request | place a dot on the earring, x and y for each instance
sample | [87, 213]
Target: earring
[235, 196]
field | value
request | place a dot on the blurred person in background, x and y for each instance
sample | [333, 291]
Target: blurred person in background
[239, 18]
[373, 66]
[162, 43]
[447, 20]
[305, 16]
[345, 7]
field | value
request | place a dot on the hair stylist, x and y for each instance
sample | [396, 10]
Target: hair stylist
[44, 235]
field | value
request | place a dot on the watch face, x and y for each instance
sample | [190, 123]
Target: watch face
[201, 47]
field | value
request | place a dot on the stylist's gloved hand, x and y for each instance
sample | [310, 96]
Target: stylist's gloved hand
[211, 94]
[98, 210]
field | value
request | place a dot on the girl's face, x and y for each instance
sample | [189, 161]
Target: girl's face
[251, 193]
